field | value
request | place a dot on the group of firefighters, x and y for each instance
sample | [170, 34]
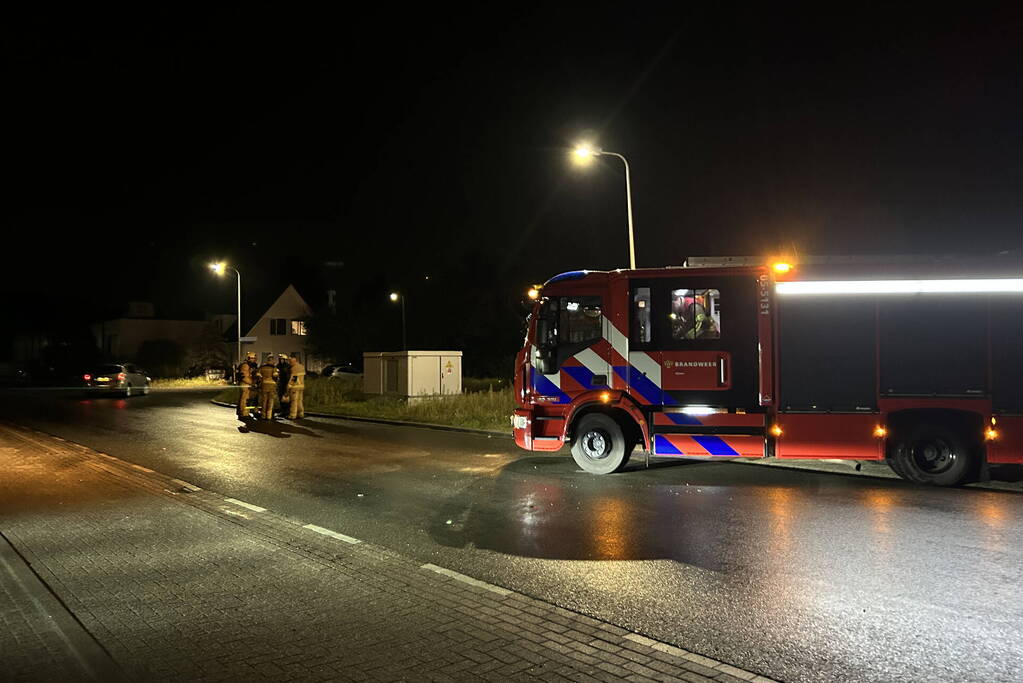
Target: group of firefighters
[284, 381]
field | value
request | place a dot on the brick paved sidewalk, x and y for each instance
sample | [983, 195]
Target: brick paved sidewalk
[179, 583]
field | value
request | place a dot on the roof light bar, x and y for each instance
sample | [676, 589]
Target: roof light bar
[973, 286]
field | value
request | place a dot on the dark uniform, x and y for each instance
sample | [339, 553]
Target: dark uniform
[284, 375]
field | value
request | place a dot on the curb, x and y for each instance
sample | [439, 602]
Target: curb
[394, 423]
[82, 646]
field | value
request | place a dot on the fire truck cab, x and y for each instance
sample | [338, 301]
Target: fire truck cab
[742, 362]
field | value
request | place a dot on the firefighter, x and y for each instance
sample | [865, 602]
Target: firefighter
[296, 389]
[284, 374]
[267, 374]
[245, 381]
[703, 324]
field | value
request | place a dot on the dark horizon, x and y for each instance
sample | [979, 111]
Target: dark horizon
[414, 145]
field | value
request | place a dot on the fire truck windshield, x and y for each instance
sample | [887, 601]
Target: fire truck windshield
[566, 325]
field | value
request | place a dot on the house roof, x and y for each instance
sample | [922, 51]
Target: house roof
[289, 304]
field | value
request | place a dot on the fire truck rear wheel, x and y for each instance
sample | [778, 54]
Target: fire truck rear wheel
[600, 446]
[933, 454]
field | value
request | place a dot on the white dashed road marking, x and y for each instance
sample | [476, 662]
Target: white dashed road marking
[248, 506]
[332, 534]
[467, 579]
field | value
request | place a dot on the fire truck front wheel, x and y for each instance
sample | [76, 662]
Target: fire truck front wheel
[932, 454]
[600, 446]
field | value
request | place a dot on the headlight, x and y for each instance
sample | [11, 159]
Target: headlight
[520, 421]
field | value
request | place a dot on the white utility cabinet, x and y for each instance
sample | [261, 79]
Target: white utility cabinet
[412, 374]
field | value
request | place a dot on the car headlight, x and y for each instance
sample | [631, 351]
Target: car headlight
[520, 421]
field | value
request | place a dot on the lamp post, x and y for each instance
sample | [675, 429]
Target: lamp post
[584, 154]
[396, 296]
[219, 269]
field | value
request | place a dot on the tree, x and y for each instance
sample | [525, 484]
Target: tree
[162, 357]
[210, 351]
[329, 338]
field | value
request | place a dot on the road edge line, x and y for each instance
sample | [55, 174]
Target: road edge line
[332, 534]
[242, 503]
[468, 579]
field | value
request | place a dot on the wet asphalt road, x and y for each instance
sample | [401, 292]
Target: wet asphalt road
[801, 576]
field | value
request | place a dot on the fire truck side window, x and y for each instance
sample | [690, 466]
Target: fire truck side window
[641, 315]
[580, 320]
[695, 314]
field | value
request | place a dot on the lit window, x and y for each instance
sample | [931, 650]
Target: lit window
[695, 314]
[298, 327]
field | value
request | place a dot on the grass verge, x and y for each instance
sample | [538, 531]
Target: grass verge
[179, 383]
[487, 409]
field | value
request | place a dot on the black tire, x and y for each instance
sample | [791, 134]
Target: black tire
[599, 445]
[933, 454]
[893, 464]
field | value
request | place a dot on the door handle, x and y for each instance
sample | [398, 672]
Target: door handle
[722, 371]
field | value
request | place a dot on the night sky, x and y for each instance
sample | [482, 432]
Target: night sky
[407, 143]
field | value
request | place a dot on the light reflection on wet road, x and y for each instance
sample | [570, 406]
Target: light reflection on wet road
[799, 575]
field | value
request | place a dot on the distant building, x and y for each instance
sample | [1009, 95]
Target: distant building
[122, 339]
[282, 329]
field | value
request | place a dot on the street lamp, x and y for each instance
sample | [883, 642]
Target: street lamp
[395, 296]
[219, 269]
[583, 154]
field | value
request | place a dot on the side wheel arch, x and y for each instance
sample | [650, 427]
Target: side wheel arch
[600, 445]
[631, 429]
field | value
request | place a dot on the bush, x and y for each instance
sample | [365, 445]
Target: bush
[472, 385]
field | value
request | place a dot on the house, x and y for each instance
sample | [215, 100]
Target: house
[282, 329]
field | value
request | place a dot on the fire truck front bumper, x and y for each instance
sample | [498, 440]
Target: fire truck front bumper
[523, 429]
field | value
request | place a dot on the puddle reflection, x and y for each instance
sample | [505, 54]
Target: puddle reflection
[731, 520]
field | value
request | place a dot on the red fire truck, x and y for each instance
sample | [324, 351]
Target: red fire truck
[736, 360]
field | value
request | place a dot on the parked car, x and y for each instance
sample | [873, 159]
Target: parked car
[339, 370]
[118, 379]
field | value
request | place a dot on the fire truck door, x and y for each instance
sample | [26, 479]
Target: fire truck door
[702, 334]
[576, 357]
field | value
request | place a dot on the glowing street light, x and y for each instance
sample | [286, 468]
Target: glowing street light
[395, 296]
[583, 155]
[220, 269]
